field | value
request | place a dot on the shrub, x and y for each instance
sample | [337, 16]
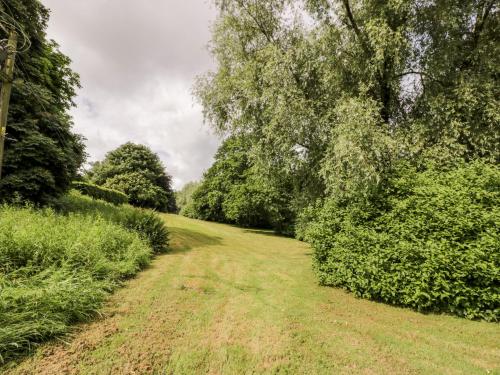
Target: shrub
[431, 242]
[56, 270]
[148, 224]
[98, 192]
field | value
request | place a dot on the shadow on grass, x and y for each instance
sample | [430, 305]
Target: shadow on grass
[266, 232]
[183, 240]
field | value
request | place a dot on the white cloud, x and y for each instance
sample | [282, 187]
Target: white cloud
[137, 62]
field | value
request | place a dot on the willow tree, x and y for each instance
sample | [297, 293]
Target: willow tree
[299, 80]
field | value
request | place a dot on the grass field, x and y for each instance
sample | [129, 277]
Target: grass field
[236, 301]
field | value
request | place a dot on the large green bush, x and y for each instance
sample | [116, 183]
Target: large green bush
[56, 270]
[148, 224]
[98, 192]
[430, 242]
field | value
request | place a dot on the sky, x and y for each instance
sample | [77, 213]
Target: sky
[137, 62]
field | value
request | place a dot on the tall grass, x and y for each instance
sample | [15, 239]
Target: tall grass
[58, 265]
[145, 222]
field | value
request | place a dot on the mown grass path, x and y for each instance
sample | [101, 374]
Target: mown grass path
[236, 301]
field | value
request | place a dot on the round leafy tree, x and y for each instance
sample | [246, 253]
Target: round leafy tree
[138, 172]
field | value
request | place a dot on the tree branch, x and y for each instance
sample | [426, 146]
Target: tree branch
[354, 26]
[423, 74]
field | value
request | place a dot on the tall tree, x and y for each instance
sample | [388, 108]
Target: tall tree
[233, 190]
[138, 172]
[42, 154]
[292, 77]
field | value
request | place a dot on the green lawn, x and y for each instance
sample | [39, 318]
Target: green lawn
[236, 301]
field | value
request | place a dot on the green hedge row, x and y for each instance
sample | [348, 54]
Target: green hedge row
[431, 242]
[98, 192]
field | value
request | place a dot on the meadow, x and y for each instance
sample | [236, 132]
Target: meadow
[228, 300]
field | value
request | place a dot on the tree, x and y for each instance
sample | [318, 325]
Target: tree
[184, 197]
[42, 154]
[427, 71]
[138, 172]
[233, 191]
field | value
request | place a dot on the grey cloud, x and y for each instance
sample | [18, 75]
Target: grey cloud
[137, 61]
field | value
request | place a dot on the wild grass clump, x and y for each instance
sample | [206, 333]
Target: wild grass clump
[147, 223]
[56, 270]
[430, 243]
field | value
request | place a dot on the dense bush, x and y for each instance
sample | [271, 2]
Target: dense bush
[98, 192]
[431, 243]
[56, 270]
[148, 224]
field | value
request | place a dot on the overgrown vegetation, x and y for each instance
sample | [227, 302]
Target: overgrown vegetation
[58, 265]
[337, 104]
[148, 225]
[138, 172]
[98, 192]
[56, 270]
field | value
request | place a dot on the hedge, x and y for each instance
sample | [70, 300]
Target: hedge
[98, 192]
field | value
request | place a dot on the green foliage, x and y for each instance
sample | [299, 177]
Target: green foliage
[232, 191]
[148, 225]
[139, 173]
[42, 154]
[429, 243]
[56, 270]
[98, 192]
[329, 102]
[184, 198]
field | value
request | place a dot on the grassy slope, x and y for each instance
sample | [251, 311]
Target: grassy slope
[233, 301]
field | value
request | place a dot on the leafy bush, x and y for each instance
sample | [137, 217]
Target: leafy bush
[56, 270]
[98, 192]
[431, 242]
[149, 226]
[146, 223]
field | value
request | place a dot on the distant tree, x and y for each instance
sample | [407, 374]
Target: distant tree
[42, 154]
[184, 197]
[138, 172]
[233, 191]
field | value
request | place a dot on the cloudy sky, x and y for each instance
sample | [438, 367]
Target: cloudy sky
[137, 61]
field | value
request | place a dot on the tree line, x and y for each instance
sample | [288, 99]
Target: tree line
[345, 119]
